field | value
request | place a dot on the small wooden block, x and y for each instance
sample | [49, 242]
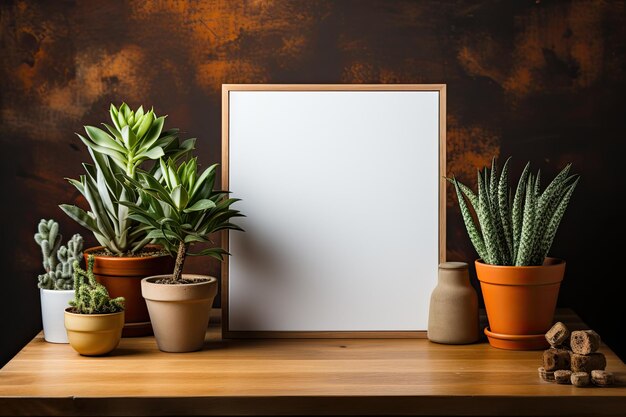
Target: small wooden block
[547, 376]
[558, 334]
[602, 378]
[580, 379]
[588, 363]
[563, 376]
[584, 342]
[555, 359]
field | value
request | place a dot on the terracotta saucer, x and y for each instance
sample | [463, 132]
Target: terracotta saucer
[517, 342]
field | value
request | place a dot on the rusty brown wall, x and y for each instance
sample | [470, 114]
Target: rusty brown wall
[539, 80]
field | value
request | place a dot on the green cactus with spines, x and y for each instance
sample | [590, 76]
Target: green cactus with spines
[58, 259]
[514, 229]
[49, 239]
[92, 297]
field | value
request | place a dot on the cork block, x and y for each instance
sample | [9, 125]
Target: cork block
[602, 378]
[547, 376]
[584, 342]
[580, 379]
[588, 363]
[558, 334]
[555, 359]
[563, 376]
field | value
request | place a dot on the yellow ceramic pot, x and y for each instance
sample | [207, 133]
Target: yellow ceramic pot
[94, 334]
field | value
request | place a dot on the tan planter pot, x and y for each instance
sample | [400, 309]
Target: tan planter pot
[453, 311]
[94, 334]
[179, 313]
[122, 277]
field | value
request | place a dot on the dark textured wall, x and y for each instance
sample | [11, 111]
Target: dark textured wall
[539, 80]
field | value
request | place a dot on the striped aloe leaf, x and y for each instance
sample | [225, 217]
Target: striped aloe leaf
[473, 232]
[495, 212]
[471, 196]
[524, 253]
[505, 211]
[517, 211]
[493, 184]
[555, 220]
[487, 224]
[538, 184]
[546, 206]
[484, 179]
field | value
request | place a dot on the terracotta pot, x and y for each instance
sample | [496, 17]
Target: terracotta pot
[520, 302]
[179, 312]
[122, 277]
[94, 334]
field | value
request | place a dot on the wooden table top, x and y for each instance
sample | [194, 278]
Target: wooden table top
[298, 376]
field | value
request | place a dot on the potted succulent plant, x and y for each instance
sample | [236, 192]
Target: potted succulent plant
[94, 321]
[512, 236]
[182, 209]
[56, 285]
[126, 254]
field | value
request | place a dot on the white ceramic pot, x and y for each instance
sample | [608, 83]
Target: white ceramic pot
[53, 305]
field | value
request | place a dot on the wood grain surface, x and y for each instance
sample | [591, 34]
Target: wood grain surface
[297, 376]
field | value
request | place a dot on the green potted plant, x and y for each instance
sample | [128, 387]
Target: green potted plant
[182, 209]
[94, 321]
[126, 255]
[512, 234]
[56, 285]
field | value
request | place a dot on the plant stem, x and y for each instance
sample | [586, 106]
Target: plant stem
[181, 254]
[130, 170]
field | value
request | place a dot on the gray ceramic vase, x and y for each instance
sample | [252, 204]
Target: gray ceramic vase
[453, 313]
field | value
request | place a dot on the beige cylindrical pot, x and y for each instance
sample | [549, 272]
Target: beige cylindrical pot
[179, 312]
[453, 313]
[94, 334]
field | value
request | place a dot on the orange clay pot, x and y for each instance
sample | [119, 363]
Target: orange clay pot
[520, 302]
[122, 277]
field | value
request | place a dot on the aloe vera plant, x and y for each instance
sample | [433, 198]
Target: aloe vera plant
[183, 208]
[133, 139]
[514, 228]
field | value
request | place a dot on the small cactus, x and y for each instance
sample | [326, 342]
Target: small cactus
[49, 239]
[92, 297]
[57, 260]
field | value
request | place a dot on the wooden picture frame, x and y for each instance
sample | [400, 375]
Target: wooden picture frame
[234, 122]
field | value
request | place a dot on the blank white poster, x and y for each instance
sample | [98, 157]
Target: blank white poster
[341, 194]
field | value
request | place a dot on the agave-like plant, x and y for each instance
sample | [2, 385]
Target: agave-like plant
[134, 138]
[514, 229]
[182, 209]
